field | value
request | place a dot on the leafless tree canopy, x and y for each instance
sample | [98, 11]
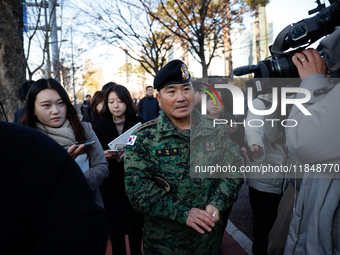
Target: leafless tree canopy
[148, 29]
[37, 39]
[128, 26]
[198, 23]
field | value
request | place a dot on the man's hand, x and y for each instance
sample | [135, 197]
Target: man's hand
[110, 155]
[232, 129]
[255, 149]
[199, 219]
[214, 212]
[309, 62]
[121, 154]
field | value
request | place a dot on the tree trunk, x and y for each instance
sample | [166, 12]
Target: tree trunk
[185, 54]
[12, 59]
[201, 55]
[227, 41]
[257, 34]
[204, 70]
[184, 46]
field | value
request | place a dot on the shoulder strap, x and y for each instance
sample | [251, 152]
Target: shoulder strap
[277, 47]
[267, 104]
[147, 124]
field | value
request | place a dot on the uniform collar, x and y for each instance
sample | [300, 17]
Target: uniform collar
[165, 126]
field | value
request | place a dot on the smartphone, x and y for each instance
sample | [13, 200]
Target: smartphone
[116, 150]
[80, 143]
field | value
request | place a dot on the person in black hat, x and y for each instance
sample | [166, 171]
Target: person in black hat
[181, 213]
[172, 80]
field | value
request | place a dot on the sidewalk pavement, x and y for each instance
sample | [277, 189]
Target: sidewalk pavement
[229, 246]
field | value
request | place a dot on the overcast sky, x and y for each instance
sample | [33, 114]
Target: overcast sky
[285, 12]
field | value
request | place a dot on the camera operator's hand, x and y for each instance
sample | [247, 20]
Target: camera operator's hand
[309, 62]
[255, 149]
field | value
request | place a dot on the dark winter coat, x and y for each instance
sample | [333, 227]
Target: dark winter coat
[89, 116]
[47, 205]
[122, 217]
[148, 108]
[18, 115]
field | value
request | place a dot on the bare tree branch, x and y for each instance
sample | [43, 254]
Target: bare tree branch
[129, 27]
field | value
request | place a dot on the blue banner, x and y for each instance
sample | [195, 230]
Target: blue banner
[24, 11]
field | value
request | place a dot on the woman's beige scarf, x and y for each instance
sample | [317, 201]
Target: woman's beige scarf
[63, 135]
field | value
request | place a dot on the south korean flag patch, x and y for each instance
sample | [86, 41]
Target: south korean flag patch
[132, 139]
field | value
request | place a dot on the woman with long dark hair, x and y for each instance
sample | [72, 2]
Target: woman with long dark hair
[119, 115]
[49, 109]
[93, 114]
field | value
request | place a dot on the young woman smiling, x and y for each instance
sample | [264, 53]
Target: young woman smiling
[49, 109]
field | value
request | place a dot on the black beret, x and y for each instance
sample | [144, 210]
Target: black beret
[174, 72]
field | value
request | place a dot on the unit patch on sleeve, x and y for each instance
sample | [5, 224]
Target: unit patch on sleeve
[163, 184]
[210, 146]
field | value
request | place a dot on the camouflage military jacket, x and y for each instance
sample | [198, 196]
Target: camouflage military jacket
[158, 182]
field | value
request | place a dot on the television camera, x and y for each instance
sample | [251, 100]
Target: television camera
[294, 38]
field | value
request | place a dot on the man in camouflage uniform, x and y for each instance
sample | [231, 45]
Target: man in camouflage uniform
[181, 213]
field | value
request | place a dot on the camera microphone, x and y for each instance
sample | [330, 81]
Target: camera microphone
[242, 70]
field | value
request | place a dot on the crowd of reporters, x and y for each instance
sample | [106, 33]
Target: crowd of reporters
[291, 214]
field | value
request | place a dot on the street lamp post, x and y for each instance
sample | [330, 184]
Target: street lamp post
[74, 88]
[47, 45]
[54, 37]
[73, 85]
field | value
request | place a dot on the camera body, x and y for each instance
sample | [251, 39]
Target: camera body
[294, 38]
